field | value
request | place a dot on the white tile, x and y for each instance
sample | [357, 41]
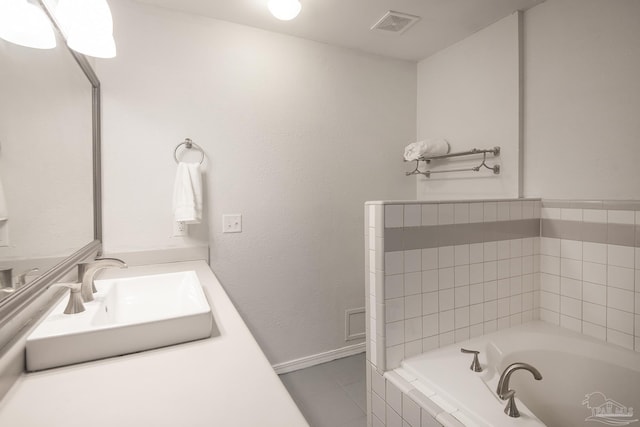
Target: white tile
[490, 309]
[393, 216]
[476, 253]
[412, 260]
[502, 211]
[430, 343]
[551, 213]
[394, 286]
[571, 288]
[527, 245]
[637, 309]
[476, 330]
[515, 248]
[620, 338]
[445, 278]
[527, 301]
[504, 249]
[637, 325]
[594, 252]
[550, 264]
[515, 304]
[638, 255]
[394, 356]
[461, 296]
[430, 259]
[527, 316]
[446, 338]
[394, 310]
[412, 215]
[461, 213]
[620, 299]
[461, 275]
[446, 299]
[620, 320]
[571, 307]
[571, 249]
[621, 217]
[549, 246]
[476, 314]
[445, 213]
[571, 214]
[527, 283]
[550, 316]
[490, 326]
[462, 334]
[446, 321]
[462, 317]
[413, 329]
[503, 269]
[504, 288]
[394, 397]
[536, 245]
[621, 256]
[430, 325]
[515, 267]
[504, 323]
[637, 217]
[377, 383]
[393, 263]
[490, 251]
[595, 331]
[515, 285]
[504, 309]
[413, 348]
[378, 407]
[550, 283]
[594, 215]
[515, 210]
[445, 256]
[594, 273]
[394, 333]
[461, 254]
[430, 303]
[594, 313]
[476, 293]
[571, 268]
[476, 273]
[570, 323]
[527, 264]
[490, 212]
[410, 411]
[413, 306]
[476, 212]
[413, 283]
[550, 301]
[527, 209]
[620, 277]
[393, 418]
[430, 281]
[430, 214]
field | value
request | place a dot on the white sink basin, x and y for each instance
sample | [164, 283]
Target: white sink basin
[128, 315]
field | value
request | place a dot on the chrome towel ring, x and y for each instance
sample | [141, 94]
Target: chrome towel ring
[189, 144]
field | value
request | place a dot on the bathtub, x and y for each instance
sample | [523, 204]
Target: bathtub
[585, 381]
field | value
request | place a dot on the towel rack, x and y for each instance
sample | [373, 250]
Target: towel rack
[495, 168]
[189, 144]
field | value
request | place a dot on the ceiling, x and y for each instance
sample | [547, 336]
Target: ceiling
[347, 23]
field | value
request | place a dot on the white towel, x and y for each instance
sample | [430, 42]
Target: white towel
[4, 212]
[426, 148]
[187, 194]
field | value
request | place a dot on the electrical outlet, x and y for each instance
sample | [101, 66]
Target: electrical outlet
[232, 223]
[180, 229]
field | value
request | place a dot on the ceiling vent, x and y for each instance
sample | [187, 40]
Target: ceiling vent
[395, 22]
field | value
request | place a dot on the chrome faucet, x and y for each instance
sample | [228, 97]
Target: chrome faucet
[88, 288]
[505, 393]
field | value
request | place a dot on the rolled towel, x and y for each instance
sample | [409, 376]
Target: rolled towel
[426, 148]
[187, 194]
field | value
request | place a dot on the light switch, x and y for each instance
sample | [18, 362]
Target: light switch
[232, 223]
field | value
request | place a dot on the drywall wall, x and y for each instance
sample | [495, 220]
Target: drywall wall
[581, 99]
[469, 94]
[297, 136]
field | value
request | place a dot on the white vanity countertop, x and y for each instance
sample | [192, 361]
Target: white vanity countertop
[222, 381]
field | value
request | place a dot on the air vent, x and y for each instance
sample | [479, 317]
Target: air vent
[395, 22]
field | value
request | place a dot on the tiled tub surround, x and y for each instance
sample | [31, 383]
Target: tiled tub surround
[590, 269]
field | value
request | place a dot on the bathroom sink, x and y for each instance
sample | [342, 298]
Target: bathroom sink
[128, 315]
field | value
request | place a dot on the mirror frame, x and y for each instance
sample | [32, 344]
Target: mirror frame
[27, 298]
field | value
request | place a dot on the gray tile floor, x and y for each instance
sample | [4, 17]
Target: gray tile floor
[332, 394]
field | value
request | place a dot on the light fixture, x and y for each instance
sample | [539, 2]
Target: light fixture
[285, 10]
[87, 26]
[26, 24]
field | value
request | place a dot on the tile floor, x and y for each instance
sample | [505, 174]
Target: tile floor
[332, 394]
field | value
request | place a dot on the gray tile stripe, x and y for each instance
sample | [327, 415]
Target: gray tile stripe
[625, 205]
[613, 234]
[408, 238]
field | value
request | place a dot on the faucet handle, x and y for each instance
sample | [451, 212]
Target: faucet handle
[475, 365]
[75, 304]
[511, 408]
[22, 277]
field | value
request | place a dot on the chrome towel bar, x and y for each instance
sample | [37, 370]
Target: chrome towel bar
[495, 168]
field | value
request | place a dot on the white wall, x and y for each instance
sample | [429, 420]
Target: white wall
[582, 99]
[469, 95]
[298, 135]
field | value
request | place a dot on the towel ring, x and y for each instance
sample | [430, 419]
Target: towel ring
[189, 144]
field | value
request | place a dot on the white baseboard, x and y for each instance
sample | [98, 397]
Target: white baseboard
[316, 359]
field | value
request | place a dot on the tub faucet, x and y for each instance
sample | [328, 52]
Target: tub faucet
[503, 383]
[91, 268]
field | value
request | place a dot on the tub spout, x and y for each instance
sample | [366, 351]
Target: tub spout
[503, 383]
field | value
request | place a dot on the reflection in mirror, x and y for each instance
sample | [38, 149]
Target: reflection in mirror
[46, 161]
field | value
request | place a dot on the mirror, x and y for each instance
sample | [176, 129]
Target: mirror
[49, 169]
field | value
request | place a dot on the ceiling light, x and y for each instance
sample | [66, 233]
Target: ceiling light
[26, 24]
[285, 10]
[87, 26]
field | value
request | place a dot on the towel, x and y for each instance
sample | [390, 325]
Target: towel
[187, 193]
[4, 213]
[426, 148]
